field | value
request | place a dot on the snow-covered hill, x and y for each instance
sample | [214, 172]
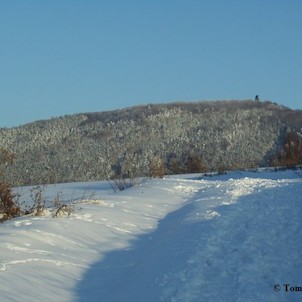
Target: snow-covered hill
[233, 237]
[179, 137]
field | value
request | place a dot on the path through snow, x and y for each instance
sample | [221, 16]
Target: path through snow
[233, 240]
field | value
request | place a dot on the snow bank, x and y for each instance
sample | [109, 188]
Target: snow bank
[184, 238]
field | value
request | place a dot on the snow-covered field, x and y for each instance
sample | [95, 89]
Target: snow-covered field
[233, 237]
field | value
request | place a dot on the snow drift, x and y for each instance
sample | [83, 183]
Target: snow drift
[233, 237]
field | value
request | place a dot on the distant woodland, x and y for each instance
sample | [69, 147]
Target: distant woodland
[153, 140]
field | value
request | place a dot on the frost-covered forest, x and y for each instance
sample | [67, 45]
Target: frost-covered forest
[178, 138]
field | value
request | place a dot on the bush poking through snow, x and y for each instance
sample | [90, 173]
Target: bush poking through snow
[9, 206]
[62, 209]
[120, 183]
[39, 206]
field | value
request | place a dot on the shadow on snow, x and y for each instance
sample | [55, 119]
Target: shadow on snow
[137, 274]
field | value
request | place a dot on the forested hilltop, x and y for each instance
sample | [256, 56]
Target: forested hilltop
[154, 139]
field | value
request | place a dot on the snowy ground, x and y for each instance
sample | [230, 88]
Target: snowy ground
[233, 237]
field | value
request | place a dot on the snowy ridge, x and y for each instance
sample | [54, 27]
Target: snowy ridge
[184, 238]
[91, 146]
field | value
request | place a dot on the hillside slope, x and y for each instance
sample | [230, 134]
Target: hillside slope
[225, 238]
[182, 137]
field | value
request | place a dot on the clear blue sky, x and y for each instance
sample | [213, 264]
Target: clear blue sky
[62, 57]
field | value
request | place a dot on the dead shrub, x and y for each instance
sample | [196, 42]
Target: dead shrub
[157, 167]
[39, 202]
[62, 209]
[194, 164]
[120, 183]
[290, 154]
[65, 210]
[176, 167]
[9, 206]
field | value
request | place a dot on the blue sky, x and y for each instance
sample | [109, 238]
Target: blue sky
[62, 57]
